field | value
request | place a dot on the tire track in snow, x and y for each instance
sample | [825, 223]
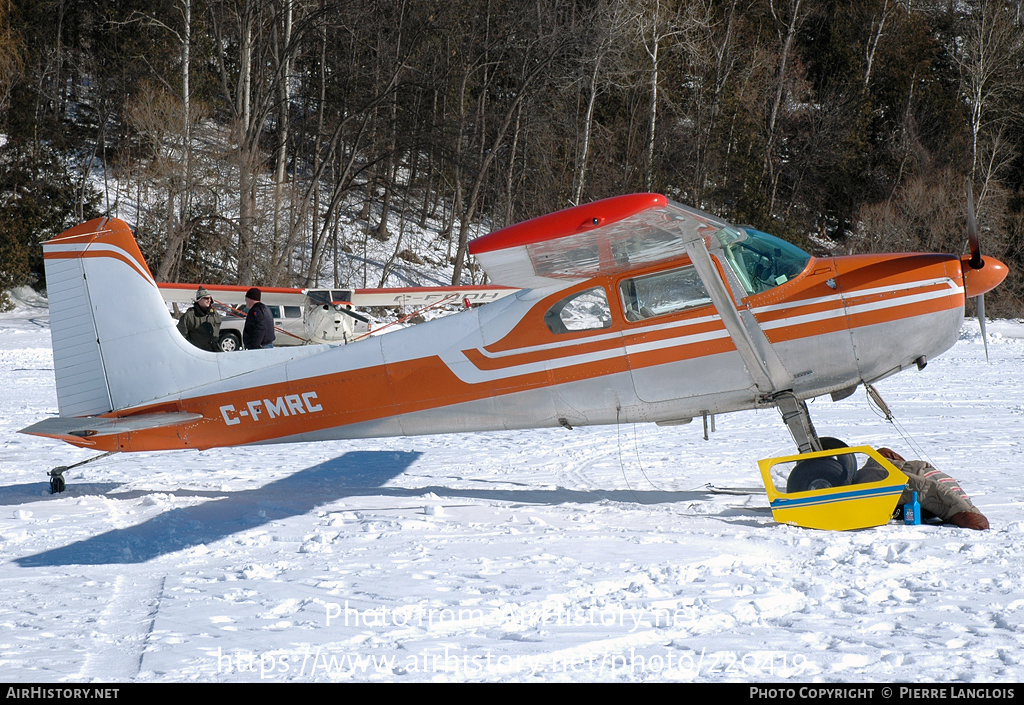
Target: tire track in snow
[123, 629]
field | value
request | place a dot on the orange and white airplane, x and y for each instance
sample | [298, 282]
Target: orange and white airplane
[630, 309]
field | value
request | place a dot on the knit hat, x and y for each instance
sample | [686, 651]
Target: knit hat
[201, 293]
[253, 294]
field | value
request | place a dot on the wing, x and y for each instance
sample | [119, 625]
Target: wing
[426, 295]
[403, 296]
[229, 294]
[604, 237]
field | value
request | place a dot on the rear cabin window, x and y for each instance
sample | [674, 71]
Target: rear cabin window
[662, 293]
[584, 310]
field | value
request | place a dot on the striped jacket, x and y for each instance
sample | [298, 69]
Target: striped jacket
[937, 492]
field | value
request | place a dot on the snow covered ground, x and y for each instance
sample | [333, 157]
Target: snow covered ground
[596, 554]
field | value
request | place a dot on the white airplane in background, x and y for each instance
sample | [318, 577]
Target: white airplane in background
[318, 316]
[631, 309]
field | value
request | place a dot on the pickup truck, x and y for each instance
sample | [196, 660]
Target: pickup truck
[289, 327]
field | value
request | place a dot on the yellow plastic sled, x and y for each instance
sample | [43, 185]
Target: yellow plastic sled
[838, 490]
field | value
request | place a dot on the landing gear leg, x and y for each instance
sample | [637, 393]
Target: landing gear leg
[56, 475]
[798, 419]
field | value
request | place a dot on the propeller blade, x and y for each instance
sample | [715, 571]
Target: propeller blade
[976, 262]
[972, 231]
[980, 303]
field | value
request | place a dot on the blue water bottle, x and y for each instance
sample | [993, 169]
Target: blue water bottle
[912, 511]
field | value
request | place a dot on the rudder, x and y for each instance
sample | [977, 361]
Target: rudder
[114, 343]
[77, 362]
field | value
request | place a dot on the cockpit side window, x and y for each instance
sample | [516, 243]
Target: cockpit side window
[662, 293]
[584, 310]
[762, 261]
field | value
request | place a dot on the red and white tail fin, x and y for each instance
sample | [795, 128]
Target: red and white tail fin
[114, 343]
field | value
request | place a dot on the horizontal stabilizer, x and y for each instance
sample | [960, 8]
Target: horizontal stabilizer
[88, 426]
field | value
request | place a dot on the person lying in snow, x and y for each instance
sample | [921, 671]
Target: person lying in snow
[938, 493]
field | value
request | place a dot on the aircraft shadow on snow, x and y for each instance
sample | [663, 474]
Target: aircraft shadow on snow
[354, 474]
[232, 512]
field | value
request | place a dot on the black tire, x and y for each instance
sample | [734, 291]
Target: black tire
[816, 474]
[848, 460]
[830, 443]
[229, 342]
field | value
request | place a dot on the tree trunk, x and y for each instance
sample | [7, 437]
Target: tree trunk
[780, 85]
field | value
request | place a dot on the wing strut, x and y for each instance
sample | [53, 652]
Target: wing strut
[755, 364]
[769, 375]
[766, 370]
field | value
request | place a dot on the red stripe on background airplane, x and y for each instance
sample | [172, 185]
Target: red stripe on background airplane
[363, 298]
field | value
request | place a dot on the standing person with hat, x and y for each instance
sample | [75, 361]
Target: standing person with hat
[259, 322]
[201, 324]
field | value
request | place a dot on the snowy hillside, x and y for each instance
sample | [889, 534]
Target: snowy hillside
[597, 554]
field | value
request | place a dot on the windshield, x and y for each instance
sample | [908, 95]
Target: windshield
[761, 261]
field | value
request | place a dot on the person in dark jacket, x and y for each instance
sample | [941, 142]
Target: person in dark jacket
[258, 331]
[201, 324]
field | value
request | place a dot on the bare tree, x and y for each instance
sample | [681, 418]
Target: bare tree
[281, 52]
[606, 26]
[709, 44]
[988, 52]
[656, 24]
[877, 31]
[11, 61]
[157, 124]
[531, 67]
[786, 28]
